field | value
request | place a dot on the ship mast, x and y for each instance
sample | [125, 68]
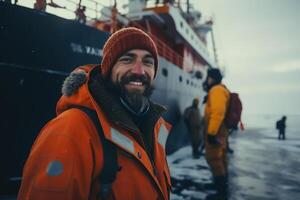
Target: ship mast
[114, 12]
[214, 44]
[187, 6]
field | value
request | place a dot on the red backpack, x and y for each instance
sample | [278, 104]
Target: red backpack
[234, 112]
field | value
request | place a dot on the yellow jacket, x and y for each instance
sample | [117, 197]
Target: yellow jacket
[215, 109]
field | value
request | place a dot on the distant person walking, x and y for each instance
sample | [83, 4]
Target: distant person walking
[280, 125]
[192, 120]
[216, 106]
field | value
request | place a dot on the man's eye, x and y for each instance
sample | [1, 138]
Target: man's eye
[149, 61]
[125, 59]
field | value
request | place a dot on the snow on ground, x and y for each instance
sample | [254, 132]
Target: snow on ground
[190, 177]
[261, 168]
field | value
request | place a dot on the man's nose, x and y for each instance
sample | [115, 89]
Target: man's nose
[138, 68]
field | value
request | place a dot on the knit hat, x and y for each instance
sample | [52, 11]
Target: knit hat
[215, 74]
[125, 40]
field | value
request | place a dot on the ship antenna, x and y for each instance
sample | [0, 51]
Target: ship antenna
[114, 12]
[213, 42]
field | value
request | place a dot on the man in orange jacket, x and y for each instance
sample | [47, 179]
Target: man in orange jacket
[67, 158]
[217, 102]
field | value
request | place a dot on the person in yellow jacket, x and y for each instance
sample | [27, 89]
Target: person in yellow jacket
[217, 101]
[67, 158]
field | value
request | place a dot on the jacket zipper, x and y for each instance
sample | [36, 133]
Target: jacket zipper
[147, 172]
[143, 145]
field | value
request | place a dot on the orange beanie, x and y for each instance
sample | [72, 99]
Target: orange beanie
[125, 40]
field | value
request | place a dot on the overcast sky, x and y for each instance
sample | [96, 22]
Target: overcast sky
[258, 43]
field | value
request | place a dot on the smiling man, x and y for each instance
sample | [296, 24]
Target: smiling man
[133, 76]
[72, 156]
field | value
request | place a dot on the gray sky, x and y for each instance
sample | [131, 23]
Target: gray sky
[258, 44]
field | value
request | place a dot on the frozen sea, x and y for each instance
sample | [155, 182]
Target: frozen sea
[261, 168]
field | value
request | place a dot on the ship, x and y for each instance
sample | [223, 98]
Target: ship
[39, 49]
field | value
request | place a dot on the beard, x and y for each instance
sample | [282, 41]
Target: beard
[206, 86]
[136, 100]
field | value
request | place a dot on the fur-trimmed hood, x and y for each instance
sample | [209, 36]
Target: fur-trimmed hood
[73, 82]
[75, 89]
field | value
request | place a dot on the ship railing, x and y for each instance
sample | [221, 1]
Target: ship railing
[170, 55]
[93, 8]
[163, 49]
[67, 8]
[93, 12]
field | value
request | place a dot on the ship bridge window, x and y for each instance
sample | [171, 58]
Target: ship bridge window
[180, 78]
[181, 24]
[187, 81]
[165, 72]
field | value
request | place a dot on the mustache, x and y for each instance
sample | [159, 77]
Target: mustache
[145, 80]
[118, 89]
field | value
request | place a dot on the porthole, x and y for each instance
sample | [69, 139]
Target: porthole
[165, 72]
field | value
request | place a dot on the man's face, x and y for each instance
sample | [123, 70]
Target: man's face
[207, 83]
[195, 102]
[210, 81]
[134, 71]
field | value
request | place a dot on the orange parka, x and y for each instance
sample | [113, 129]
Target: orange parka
[66, 159]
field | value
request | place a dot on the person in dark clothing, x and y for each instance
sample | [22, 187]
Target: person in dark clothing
[40, 5]
[229, 150]
[192, 120]
[280, 125]
[80, 14]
